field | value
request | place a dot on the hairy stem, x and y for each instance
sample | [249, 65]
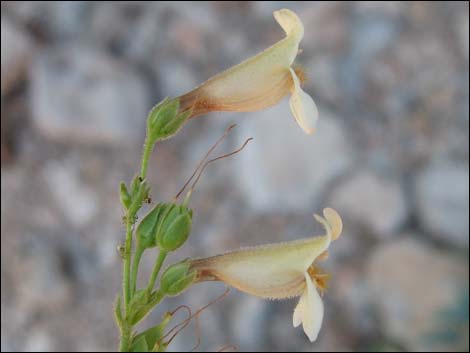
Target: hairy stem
[127, 265]
[148, 148]
[125, 328]
[125, 343]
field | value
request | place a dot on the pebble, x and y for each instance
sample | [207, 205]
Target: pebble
[286, 169]
[81, 95]
[370, 201]
[412, 286]
[442, 195]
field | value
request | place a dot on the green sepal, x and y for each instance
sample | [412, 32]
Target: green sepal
[147, 228]
[140, 193]
[142, 306]
[135, 184]
[154, 335]
[177, 278]
[124, 195]
[139, 300]
[164, 121]
[139, 345]
[174, 125]
[118, 311]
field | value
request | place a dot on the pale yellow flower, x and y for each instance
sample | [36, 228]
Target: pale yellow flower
[260, 81]
[279, 271]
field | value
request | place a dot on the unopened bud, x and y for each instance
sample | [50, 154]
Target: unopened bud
[174, 227]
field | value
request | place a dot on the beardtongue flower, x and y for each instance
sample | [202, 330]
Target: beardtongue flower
[279, 271]
[259, 82]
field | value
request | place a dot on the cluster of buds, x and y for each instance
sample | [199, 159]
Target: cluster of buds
[167, 226]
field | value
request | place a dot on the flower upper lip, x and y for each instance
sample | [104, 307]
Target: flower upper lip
[278, 271]
[260, 81]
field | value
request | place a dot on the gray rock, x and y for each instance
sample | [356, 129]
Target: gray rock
[352, 296]
[52, 19]
[249, 321]
[17, 50]
[371, 201]
[81, 95]
[442, 196]
[44, 285]
[75, 200]
[323, 69]
[412, 285]
[285, 169]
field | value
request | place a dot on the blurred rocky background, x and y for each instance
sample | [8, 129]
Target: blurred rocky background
[391, 80]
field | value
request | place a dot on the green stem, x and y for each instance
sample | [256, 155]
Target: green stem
[127, 266]
[148, 148]
[156, 268]
[126, 329]
[124, 344]
[135, 268]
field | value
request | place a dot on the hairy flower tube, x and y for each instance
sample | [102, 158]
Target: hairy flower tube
[279, 271]
[260, 82]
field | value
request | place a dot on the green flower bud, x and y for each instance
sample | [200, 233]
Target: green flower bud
[147, 229]
[164, 120]
[177, 278]
[166, 225]
[125, 196]
[174, 227]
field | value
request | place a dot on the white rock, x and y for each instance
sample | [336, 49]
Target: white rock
[371, 201]
[412, 284]
[442, 194]
[285, 169]
[82, 95]
[75, 200]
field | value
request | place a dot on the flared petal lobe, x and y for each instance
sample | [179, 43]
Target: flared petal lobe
[303, 107]
[309, 311]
